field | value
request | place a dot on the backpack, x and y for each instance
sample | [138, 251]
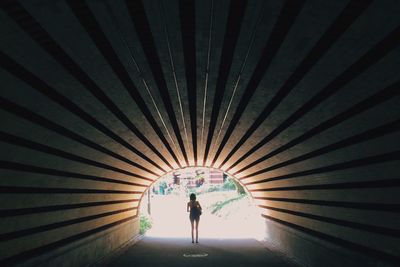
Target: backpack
[196, 209]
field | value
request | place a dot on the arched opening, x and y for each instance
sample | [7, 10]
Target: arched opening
[229, 211]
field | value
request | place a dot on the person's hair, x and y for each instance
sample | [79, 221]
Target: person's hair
[192, 196]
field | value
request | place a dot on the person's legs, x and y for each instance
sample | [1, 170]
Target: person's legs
[197, 229]
[192, 223]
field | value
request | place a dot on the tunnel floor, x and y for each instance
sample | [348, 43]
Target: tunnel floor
[152, 251]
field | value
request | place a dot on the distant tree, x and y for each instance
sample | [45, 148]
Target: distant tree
[240, 189]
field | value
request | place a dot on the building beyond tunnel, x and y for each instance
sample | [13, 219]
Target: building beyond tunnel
[299, 100]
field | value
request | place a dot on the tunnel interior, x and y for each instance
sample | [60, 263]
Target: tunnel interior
[299, 100]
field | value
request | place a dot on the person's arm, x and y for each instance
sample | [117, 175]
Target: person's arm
[198, 204]
[187, 208]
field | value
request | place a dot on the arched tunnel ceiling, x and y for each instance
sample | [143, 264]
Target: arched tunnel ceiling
[116, 93]
[238, 85]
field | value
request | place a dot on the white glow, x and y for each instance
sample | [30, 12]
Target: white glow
[226, 214]
[170, 219]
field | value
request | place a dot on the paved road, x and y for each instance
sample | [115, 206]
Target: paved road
[165, 252]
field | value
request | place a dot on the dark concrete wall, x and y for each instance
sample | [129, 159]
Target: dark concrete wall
[298, 100]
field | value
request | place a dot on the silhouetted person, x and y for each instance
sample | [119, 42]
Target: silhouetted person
[194, 208]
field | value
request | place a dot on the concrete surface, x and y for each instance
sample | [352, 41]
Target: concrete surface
[151, 251]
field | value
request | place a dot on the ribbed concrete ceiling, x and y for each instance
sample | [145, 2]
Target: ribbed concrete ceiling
[176, 84]
[124, 91]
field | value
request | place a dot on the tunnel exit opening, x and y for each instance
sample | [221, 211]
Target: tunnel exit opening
[228, 209]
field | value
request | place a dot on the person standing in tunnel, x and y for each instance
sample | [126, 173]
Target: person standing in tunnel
[194, 208]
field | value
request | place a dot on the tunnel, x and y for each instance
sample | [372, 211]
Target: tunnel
[298, 100]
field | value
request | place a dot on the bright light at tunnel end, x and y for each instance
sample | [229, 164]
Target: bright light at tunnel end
[170, 218]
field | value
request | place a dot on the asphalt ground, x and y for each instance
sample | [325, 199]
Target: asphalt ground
[155, 251]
